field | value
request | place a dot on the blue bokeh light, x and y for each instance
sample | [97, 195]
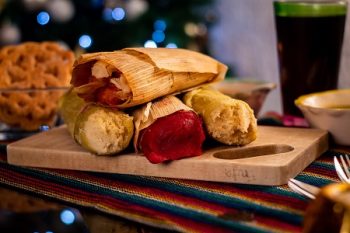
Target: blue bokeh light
[67, 217]
[85, 41]
[44, 128]
[159, 25]
[118, 13]
[158, 36]
[150, 44]
[107, 14]
[171, 46]
[43, 18]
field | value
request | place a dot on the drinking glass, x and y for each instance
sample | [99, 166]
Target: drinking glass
[309, 43]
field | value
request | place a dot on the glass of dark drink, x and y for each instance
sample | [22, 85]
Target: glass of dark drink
[309, 43]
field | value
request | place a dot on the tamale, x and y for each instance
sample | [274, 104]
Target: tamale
[70, 105]
[135, 76]
[103, 131]
[168, 130]
[227, 120]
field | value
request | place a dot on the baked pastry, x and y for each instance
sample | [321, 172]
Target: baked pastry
[26, 70]
[102, 131]
[135, 76]
[167, 129]
[227, 120]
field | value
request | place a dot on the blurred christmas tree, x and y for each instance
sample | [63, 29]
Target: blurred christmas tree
[105, 25]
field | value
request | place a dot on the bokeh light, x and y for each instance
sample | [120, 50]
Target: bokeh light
[158, 36]
[159, 25]
[85, 41]
[43, 18]
[44, 128]
[202, 29]
[171, 46]
[191, 29]
[67, 217]
[150, 44]
[118, 13]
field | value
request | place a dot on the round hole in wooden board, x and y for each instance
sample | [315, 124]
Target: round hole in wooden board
[254, 151]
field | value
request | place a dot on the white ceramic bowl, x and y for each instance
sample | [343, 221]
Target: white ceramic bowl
[329, 110]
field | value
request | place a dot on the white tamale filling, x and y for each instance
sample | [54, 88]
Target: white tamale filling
[105, 134]
[231, 123]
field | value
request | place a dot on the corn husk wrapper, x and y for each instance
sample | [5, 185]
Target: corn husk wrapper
[227, 120]
[149, 113]
[102, 131]
[149, 73]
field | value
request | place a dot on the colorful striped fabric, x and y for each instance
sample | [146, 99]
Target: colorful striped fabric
[182, 205]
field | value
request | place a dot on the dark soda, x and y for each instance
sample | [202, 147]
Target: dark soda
[309, 50]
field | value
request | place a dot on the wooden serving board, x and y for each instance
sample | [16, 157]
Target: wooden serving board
[277, 155]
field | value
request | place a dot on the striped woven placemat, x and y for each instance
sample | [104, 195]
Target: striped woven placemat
[182, 205]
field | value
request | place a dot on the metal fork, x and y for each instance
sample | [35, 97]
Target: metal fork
[343, 168]
[304, 189]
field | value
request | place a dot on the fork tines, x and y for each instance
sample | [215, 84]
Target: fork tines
[343, 168]
[302, 188]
